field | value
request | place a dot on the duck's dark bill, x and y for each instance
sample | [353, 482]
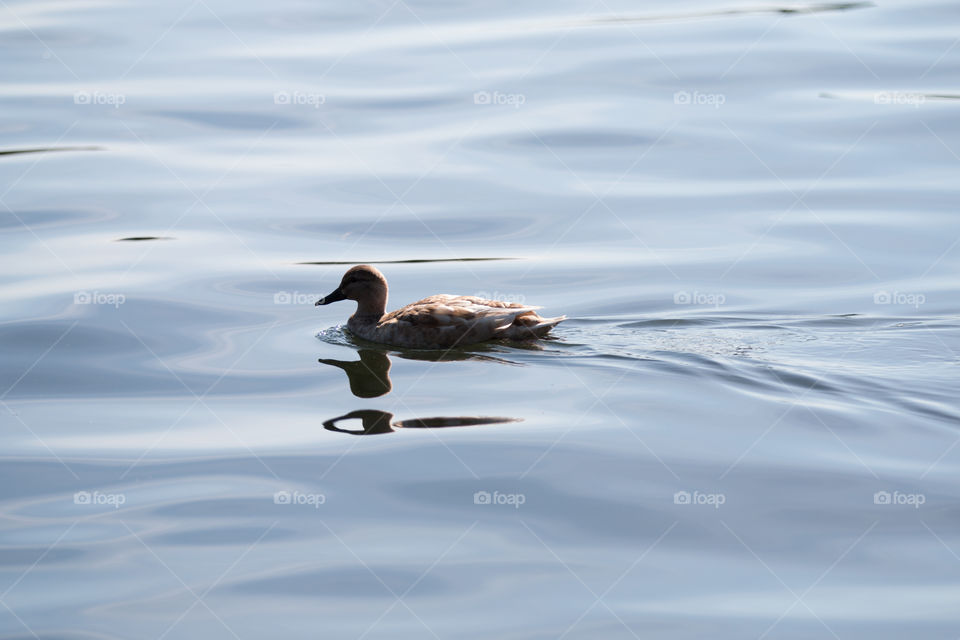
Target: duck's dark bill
[336, 296]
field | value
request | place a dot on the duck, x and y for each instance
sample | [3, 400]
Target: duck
[440, 321]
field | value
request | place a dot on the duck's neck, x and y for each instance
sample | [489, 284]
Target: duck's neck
[371, 308]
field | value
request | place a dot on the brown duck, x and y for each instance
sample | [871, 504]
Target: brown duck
[438, 322]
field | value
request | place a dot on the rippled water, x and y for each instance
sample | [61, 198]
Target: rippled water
[746, 428]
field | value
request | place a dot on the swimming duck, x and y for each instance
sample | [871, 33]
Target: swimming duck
[438, 322]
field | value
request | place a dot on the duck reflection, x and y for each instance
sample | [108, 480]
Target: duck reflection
[376, 422]
[370, 375]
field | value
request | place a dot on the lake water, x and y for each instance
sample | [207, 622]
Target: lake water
[747, 427]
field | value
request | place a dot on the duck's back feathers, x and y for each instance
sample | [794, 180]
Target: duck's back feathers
[444, 321]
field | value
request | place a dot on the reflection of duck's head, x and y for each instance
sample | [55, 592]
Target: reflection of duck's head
[369, 376]
[366, 285]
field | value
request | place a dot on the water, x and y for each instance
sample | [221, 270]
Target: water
[748, 427]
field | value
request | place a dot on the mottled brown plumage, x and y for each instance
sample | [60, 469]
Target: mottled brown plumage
[437, 322]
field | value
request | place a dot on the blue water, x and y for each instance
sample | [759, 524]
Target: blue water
[747, 427]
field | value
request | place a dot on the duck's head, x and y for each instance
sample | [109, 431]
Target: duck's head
[362, 283]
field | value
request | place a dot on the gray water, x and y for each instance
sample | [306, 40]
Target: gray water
[747, 427]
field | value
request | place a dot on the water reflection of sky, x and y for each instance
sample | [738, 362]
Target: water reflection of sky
[747, 427]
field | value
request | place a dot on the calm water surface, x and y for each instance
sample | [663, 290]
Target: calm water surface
[748, 426]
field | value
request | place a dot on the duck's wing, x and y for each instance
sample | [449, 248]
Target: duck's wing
[445, 320]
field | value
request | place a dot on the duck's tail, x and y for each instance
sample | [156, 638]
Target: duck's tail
[531, 325]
